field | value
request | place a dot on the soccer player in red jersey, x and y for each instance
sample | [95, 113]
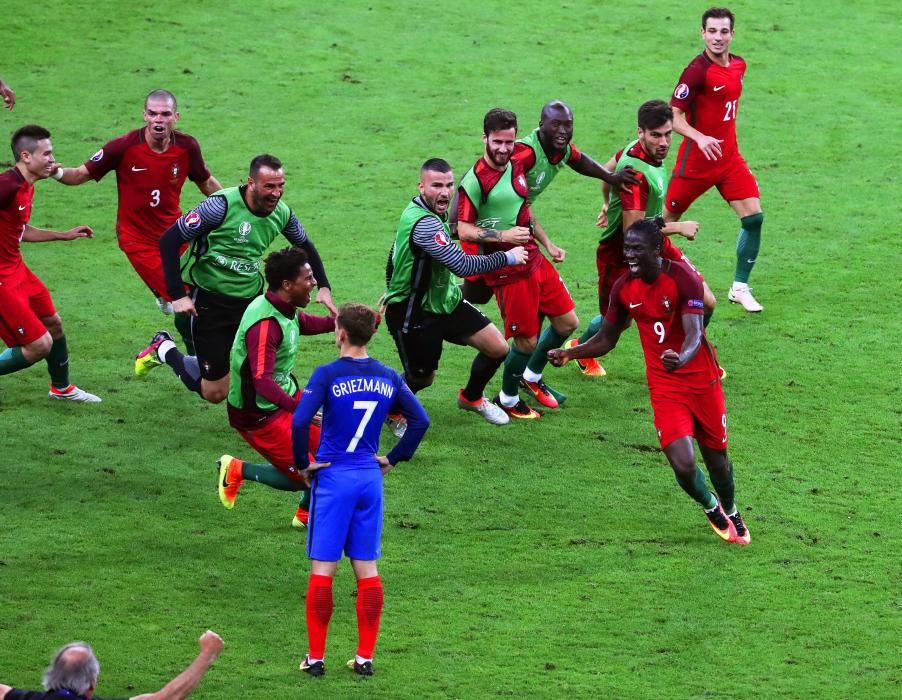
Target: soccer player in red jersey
[664, 297]
[705, 105]
[151, 166]
[29, 323]
[493, 214]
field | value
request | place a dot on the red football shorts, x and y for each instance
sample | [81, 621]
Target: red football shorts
[610, 266]
[698, 413]
[145, 258]
[521, 301]
[24, 301]
[733, 180]
[273, 442]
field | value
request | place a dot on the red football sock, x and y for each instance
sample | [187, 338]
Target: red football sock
[369, 612]
[319, 612]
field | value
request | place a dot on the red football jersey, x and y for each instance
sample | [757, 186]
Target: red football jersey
[149, 183]
[658, 309]
[709, 94]
[16, 197]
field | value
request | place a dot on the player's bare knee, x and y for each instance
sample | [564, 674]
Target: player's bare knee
[37, 349]
[54, 325]
[566, 324]
[419, 380]
[524, 344]
[214, 391]
[498, 348]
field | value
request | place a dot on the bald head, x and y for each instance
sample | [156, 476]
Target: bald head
[554, 109]
[555, 126]
[75, 668]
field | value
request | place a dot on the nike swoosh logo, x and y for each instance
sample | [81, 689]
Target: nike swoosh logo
[137, 170]
[719, 88]
[633, 306]
[25, 207]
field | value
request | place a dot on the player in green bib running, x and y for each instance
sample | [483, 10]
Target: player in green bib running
[228, 234]
[424, 306]
[543, 153]
[643, 199]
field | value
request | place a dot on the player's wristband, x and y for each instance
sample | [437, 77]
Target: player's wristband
[58, 175]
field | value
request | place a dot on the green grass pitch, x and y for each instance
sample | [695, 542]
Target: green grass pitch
[545, 560]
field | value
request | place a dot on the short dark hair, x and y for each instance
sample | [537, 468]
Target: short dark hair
[718, 13]
[161, 94]
[358, 321]
[650, 228]
[281, 265]
[438, 165]
[264, 160]
[26, 139]
[654, 113]
[497, 119]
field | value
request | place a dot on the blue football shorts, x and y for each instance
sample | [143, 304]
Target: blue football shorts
[346, 506]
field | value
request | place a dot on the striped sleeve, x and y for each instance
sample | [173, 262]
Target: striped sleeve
[429, 235]
[295, 232]
[205, 217]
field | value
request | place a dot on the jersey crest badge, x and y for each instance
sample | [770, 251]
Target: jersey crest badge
[192, 219]
[667, 304]
[441, 238]
[175, 170]
[681, 92]
[244, 229]
[97, 156]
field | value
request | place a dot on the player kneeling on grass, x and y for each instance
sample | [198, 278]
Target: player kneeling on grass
[355, 393]
[664, 297]
[263, 392]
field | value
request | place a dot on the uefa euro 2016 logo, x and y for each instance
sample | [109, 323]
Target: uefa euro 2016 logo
[244, 230]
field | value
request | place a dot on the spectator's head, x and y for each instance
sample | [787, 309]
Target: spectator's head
[74, 668]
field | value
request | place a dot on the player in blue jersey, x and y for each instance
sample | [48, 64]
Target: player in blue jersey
[355, 393]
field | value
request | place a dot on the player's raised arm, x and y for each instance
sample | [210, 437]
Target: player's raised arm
[181, 686]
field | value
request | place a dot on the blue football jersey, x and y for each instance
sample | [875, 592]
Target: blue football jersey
[356, 394]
